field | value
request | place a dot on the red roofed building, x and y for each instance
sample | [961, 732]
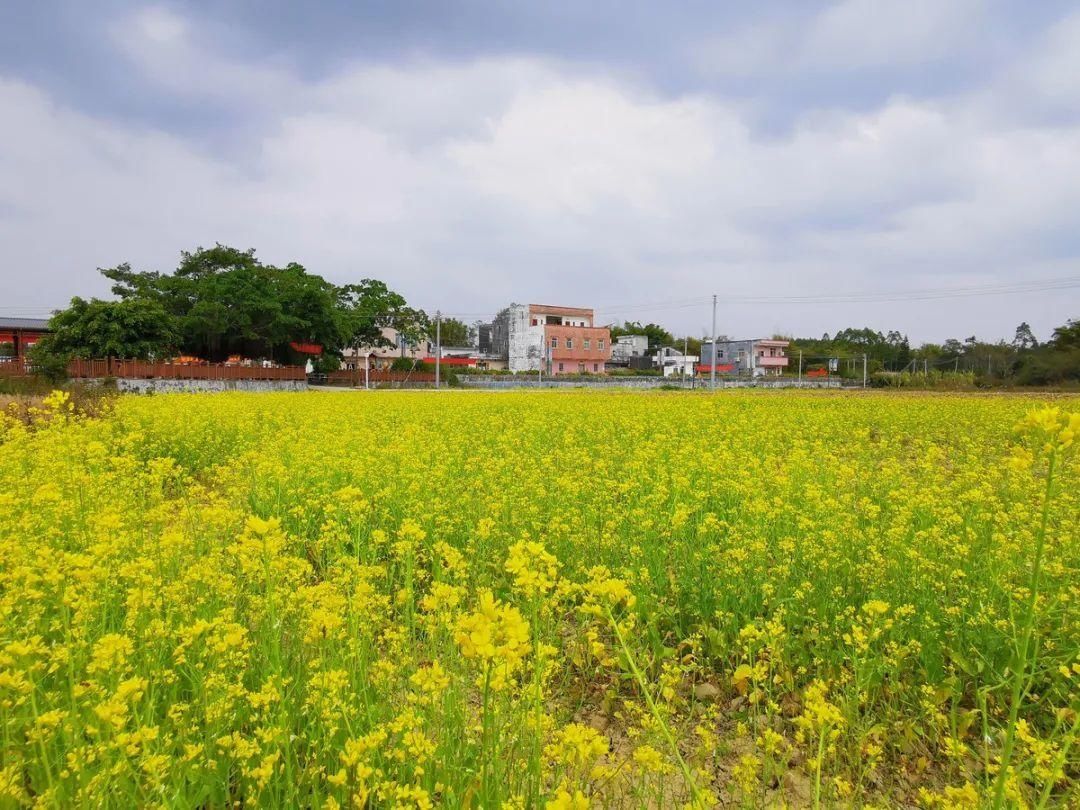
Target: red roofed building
[17, 335]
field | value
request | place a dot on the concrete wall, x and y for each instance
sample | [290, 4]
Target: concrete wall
[637, 383]
[187, 386]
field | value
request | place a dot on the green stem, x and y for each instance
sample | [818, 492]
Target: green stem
[534, 763]
[484, 787]
[1044, 797]
[820, 766]
[1026, 632]
[698, 802]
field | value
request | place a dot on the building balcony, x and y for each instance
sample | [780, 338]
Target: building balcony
[772, 362]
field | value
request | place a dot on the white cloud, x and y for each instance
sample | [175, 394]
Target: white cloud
[159, 25]
[846, 36]
[874, 33]
[469, 184]
[1047, 84]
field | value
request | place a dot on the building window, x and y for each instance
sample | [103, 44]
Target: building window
[586, 342]
[554, 343]
[721, 353]
[600, 345]
[595, 366]
[560, 367]
[569, 343]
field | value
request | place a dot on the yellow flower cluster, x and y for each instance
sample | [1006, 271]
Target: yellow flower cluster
[497, 635]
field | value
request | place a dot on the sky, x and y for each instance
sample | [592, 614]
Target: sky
[813, 165]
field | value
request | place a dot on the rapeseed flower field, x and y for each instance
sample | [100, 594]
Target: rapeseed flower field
[564, 600]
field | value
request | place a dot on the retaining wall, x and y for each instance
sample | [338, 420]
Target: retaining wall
[162, 386]
[638, 383]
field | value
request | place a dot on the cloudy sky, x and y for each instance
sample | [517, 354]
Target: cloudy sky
[635, 157]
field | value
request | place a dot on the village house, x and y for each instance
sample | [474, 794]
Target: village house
[630, 352]
[552, 339]
[382, 357]
[674, 363]
[761, 357]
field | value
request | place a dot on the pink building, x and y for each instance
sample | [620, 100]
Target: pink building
[572, 344]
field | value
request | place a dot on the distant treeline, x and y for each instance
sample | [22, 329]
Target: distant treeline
[1023, 361]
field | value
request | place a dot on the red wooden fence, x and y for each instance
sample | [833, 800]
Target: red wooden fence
[138, 369]
[13, 367]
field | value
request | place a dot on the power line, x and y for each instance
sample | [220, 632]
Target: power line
[1009, 288]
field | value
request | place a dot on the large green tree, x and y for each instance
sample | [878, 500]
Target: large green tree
[365, 308]
[222, 301]
[453, 332]
[132, 328]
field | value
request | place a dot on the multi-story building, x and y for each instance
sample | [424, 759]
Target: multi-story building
[754, 357]
[558, 340]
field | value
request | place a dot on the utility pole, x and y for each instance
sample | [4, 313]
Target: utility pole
[367, 372]
[438, 344]
[800, 365]
[685, 343]
[925, 367]
[712, 367]
[864, 370]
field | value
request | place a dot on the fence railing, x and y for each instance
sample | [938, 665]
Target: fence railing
[13, 367]
[139, 369]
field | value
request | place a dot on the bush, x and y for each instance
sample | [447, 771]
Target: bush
[49, 364]
[408, 364]
[325, 363]
[1050, 367]
[946, 380]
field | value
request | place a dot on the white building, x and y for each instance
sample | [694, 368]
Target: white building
[674, 363]
[626, 346]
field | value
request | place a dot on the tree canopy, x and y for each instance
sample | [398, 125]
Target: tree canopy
[135, 328]
[222, 301]
[453, 332]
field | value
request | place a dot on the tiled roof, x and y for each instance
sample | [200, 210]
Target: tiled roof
[24, 323]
